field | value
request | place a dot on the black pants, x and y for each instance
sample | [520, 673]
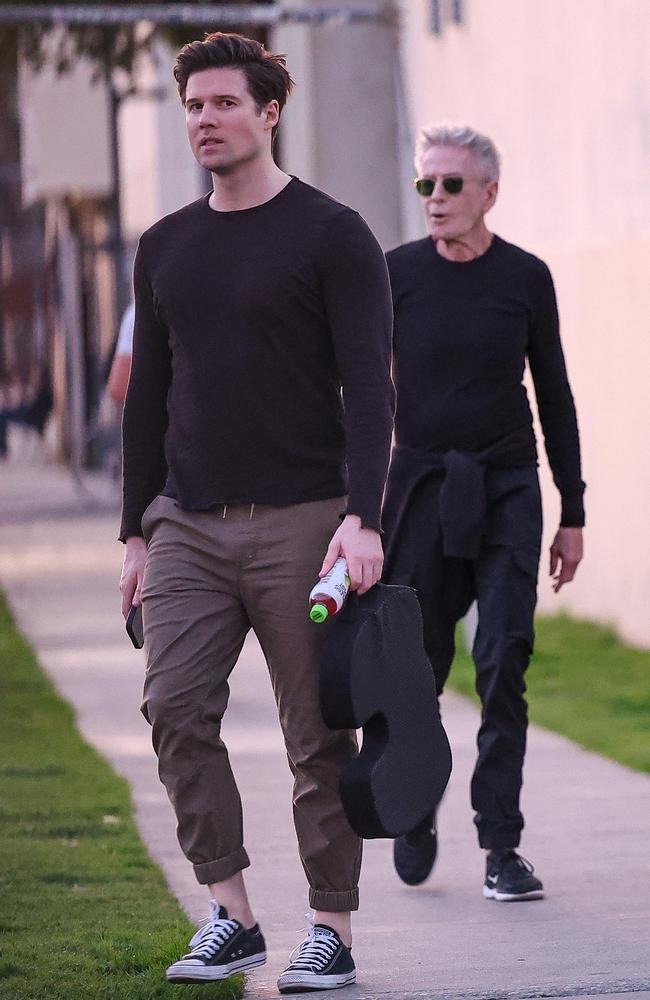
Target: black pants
[503, 580]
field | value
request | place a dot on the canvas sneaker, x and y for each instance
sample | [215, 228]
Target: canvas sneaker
[321, 962]
[219, 949]
[509, 877]
[414, 854]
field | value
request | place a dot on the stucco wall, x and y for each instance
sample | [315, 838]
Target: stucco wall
[158, 171]
[64, 123]
[564, 89]
[340, 130]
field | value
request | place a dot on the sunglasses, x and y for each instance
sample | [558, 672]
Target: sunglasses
[425, 185]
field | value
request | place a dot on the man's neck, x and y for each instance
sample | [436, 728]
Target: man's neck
[467, 247]
[250, 184]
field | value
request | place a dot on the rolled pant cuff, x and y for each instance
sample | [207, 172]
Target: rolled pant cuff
[219, 871]
[505, 842]
[334, 902]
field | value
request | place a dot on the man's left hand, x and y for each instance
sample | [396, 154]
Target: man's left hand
[362, 550]
[566, 553]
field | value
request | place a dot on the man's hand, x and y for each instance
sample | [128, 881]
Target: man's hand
[362, 550]
[566, 551]
[132, 573]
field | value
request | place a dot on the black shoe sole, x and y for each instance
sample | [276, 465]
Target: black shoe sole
[414, 865]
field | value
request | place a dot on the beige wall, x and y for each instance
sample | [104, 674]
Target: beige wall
[158, 171]
[66, 141]
[64, 122]
[563, 87]
[341, 130]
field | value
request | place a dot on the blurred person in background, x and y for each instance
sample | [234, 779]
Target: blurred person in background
[12, 406]
[25, 402]
[118, 376]
[462, 513]
[255, 307]
[107, 436]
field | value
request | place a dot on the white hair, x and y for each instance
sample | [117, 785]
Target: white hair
[462, 137]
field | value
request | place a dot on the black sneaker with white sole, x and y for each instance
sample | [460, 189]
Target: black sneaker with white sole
[322, 962]
[509, 877]
[219, 949]
[414, 854]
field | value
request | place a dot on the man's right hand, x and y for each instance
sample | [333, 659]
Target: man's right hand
[566, 555]
[132, 573]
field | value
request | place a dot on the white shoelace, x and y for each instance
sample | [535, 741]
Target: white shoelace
[316, 951]
[213, 935]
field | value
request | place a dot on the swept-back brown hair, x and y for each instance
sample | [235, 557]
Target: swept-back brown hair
[267, 77]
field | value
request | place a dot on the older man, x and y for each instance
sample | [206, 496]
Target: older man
[463, 514]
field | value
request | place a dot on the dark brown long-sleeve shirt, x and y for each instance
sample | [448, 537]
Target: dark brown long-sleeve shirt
[261, 359]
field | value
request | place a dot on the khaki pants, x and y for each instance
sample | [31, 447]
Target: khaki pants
[210, 577]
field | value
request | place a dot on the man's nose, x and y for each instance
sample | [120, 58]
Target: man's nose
[208, 116]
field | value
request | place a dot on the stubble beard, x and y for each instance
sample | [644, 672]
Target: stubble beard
[232, 166]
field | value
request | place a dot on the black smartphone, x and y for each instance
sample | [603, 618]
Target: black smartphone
[134, 626]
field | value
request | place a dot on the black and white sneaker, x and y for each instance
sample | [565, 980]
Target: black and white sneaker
[509, 877]
[219, 949]
[322, 962]
[414, 854]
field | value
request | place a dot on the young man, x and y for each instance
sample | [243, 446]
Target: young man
[255, 306]
[463, 513]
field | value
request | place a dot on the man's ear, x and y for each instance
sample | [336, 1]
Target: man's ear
[491, 190]
[272, 113]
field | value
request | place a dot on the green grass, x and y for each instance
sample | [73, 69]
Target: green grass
[84, 912]
[585, 683]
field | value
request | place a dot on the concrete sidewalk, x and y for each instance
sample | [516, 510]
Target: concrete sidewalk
[588, 819]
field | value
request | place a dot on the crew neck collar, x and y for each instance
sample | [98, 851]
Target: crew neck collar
[475, 262]
[238, 212]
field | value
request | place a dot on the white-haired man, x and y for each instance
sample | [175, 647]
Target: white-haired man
[463, 514]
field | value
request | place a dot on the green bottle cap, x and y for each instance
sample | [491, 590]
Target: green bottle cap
[319, 613]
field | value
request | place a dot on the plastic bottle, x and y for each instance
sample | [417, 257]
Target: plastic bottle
[328, 596]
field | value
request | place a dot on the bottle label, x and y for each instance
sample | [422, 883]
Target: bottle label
[334, 585]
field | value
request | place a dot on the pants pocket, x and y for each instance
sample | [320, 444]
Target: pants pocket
[153, 514]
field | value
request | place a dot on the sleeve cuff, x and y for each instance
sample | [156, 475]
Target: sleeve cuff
[128, 531]
[369, 519]
[573, 512]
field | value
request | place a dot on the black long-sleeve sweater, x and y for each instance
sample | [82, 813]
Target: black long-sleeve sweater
[261, 359]
[462, 335]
